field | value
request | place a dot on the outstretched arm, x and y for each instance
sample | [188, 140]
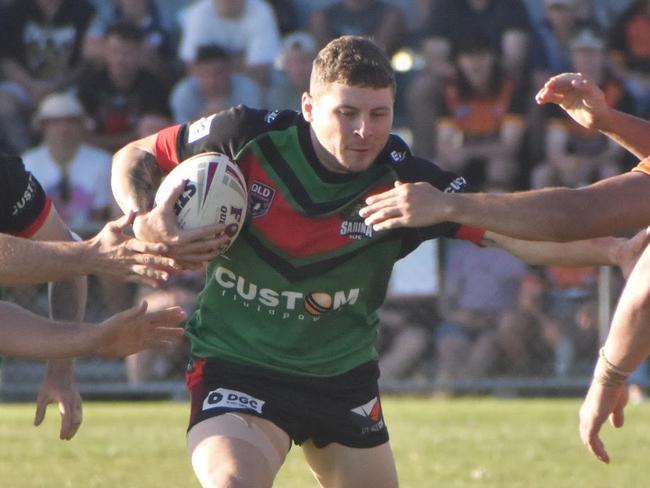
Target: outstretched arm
[627, 345]
[110, 253]
[611, 206]
[585, 102]
[600, 251]
[27, 335]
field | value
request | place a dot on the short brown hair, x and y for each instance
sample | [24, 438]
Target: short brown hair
[353, 61]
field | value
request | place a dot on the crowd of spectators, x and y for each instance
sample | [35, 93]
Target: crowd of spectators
[80, 78]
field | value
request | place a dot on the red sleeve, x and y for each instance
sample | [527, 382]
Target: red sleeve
[32, 228]
[165, 148]
[471, 234]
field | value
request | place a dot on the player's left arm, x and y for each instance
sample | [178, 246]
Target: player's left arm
[67, 303]
[627, 345]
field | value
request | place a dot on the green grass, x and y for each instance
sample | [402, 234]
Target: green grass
[441, 443]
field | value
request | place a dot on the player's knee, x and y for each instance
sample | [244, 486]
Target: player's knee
[221, 477]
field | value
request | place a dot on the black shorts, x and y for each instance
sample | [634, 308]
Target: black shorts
[345, 409]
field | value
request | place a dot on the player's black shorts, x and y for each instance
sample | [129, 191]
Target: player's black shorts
[344, 409]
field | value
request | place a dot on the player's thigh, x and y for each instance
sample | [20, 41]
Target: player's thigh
[338, 466]
[236, 450]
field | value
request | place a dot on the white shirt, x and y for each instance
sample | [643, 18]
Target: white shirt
[89, 179]
[255, 33]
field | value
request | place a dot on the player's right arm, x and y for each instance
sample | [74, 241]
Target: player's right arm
[136, 176]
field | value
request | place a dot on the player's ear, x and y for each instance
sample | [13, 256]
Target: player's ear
[307, 104]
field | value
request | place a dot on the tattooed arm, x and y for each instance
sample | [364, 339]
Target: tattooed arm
[136, 176]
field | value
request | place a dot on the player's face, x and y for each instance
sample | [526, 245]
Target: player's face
[350, 125]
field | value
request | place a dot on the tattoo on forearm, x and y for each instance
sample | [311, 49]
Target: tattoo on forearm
[144, 179]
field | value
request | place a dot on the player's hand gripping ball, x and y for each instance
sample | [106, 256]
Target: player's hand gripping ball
[215, 192]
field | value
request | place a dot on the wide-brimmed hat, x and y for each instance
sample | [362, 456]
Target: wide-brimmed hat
[59, 106]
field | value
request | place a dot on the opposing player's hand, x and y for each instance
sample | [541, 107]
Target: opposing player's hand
[119, 256]
[190, 248]
[58, 387]
[578, 96]
[601, 402]
[136, 329]
[405, 205]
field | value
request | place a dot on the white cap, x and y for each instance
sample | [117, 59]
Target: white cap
[58, 106]
[296, 41]
[586, 38]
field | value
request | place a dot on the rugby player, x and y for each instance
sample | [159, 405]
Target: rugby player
[283, 339]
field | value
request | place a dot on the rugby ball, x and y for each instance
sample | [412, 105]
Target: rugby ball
[215, 192]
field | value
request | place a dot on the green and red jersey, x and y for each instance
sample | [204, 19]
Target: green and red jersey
[299, 289]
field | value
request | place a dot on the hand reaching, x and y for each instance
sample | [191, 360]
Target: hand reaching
[190, 248]
[117, 255]
[136, 329]
[578, 96]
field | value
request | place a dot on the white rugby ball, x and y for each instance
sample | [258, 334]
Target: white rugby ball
[215, 192]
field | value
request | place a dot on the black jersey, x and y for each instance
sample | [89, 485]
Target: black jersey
[24, 205]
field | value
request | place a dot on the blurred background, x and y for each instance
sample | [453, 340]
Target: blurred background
[80, 78]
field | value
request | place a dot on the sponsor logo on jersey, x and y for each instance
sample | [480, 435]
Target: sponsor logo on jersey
[353, 225]
[372, 412]
[232, 399]
[398, 156]
[260, 198]
[286, 304]
[457, 185]
[271, 116]
[199, 129]
[28, 196]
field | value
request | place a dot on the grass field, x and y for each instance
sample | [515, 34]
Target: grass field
[438, 443]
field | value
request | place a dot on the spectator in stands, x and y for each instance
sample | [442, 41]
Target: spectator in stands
[118, 94]
[286, 15]
[180, 290]
[479, 286]
[503, 22]
[291, 78]
[161, 363]
[409, 315]
[550, 55]
[550, 49]
[526, 338]
[247, 29]
[74, 174]
[40, 52]
[160, 34]
[630, 52]
[576, 156]
[382, 21]
[152, 122]
[212, 86]
[480, 125]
